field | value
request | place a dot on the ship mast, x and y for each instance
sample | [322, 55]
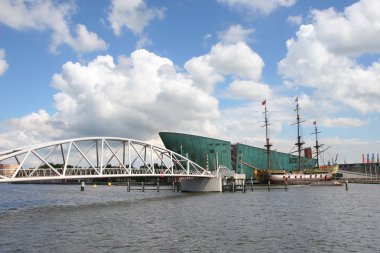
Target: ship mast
[267, 144]
[317, 146]
[299, 142]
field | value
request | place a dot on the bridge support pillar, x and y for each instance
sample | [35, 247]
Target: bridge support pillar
[173, 183]
[82, 186]
[129, 185]
[158, 185]
[142, 187]
[201, 185]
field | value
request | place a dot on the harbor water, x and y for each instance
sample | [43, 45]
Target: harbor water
[61, 218]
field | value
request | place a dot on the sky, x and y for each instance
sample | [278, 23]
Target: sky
[135, 68]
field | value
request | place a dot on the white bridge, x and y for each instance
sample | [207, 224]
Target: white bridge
[95, 157]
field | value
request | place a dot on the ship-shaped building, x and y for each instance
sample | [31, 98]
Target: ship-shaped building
[211, 153]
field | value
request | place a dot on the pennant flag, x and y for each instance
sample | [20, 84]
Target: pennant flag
[314, 122]
[264, 102]
[296, 100]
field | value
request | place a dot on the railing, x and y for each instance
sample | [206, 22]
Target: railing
[94, 157]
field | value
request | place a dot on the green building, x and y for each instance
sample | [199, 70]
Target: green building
[199, 149]
[210, 152]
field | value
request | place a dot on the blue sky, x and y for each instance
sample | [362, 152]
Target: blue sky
[134, 68]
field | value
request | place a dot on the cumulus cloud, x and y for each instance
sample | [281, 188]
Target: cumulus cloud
[135, 97]
[326, 64]
[230, 57]
[248, 90]
[134, 15]
[263, 6]
[142, 94]
[354, 31]
[44, 15]
[3, 64]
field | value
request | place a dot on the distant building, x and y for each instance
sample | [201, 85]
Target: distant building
[7, 170]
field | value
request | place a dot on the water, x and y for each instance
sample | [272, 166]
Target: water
[60, 218]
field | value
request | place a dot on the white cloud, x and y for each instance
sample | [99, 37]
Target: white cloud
[86, 41]
[46, 15]
[235, 34]
[134, 15]
[352, 32]
[333, 74]
[225, 59]
[263, 6]
[295, 20]
[143, 42]
[343, 122]
[136, 97]
[140, 95]
[3, 64]
[231, 57]
[248, 90]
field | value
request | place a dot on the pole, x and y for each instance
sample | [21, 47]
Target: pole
[217, 165]
[82, 186]
[267, 145]
[317, 146]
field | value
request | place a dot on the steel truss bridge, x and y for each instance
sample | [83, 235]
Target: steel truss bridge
[93, 158]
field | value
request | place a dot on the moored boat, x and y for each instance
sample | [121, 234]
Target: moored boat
[301, 175]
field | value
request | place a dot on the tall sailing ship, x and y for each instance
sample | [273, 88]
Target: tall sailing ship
[301, 175]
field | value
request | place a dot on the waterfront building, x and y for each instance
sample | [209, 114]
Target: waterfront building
[211, 153]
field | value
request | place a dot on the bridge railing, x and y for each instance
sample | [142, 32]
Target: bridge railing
[94, 157]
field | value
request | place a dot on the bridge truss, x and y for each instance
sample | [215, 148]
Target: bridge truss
[94, 157]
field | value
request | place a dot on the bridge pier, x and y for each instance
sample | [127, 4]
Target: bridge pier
[129, 185]
[158, 185]
[142, 187]
[201, 185]
[82, 186]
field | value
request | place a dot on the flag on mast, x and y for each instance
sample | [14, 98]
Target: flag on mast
[296, 100]
[264, 102]
[314, 122]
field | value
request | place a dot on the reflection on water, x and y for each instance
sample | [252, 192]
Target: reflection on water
[60, 218]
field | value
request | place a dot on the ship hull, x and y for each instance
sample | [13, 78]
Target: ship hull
[324, 173]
